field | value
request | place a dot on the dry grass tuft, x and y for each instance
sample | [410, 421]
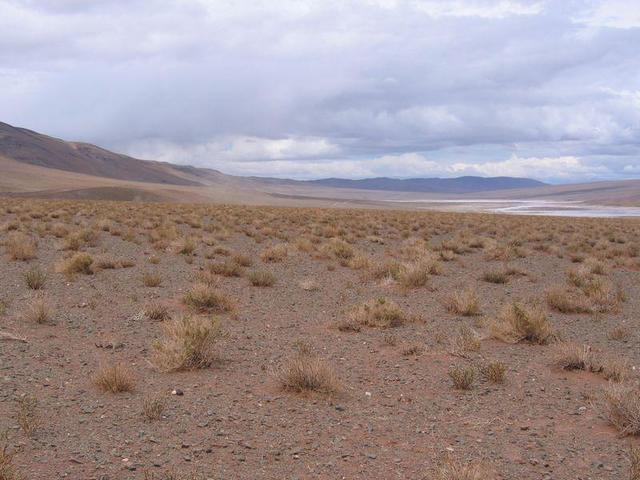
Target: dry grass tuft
[152, 280]
[114, 378]
[452, 470]
[35, 278]
[157, 311]
[517, 323]
[565, 301]
[188, 343]
[305, 372]
[206, 298]
[462, 377]
[8, 470]
[494, 371]
[634, 462]
[275, 253]
[261, 278]
[20, 247]
[621, 407]
[153, 407]
[79, 263]
[380, 312]
[28, 417]
[38, 311]
[466, 302]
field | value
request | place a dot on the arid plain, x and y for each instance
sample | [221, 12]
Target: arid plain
[186, 341]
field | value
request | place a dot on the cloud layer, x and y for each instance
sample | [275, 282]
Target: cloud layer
[348, 88]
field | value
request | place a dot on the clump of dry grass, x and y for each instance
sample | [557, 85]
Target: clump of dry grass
[380, 312]
[496, 276]
[449, 469]
[620, 405]
[114, 378]
[465, 302]
[228, 268]
[338, 249]
[261, 278]
[517, 323]
[416, 274]
[38, 311]
[467, 340]
[157, 311]
[494, 371]
[35, 278]
[28, 417]
[573, 356]
[8, 470]
[20, 247]
[565, 301]
[151, 279]
[462, 377]
[275, 253]
[153, 407]
[206, 298]
[188, 343]
[78, 263]
[304, 372]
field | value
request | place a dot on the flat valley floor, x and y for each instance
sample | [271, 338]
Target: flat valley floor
[161, 341]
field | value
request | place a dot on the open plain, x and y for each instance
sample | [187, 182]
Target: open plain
[187, 341]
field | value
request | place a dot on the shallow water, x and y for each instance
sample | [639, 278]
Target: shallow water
[529, 207]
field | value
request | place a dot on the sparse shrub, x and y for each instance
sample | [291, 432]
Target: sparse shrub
[305, 372]
[114, 378]
[621, 407]
[203, 297]
[453, 470]
[8, 470]
[496, 276]
[573, 356]
[28, 417]
[228, 268]
[20, 247]
[566, 302]
[153, 407]
[188, 343]
[157, 311]
[261, 278]
[380, 312]
[242, 260]
[151, 279]
[462, 377]
[35, 278]
[466, 302]
[494, 371]
[338, 249]
[38, 311]
[467, 340]
[275, 253]
[79, 263]
[517, 323]
[185, 246]
[619, 333]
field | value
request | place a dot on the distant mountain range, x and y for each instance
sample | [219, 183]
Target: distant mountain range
[33, 164]
[33, 148]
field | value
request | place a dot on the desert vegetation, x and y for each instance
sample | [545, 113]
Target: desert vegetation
[205, 341]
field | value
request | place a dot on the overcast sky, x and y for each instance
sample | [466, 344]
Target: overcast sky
[317, 88]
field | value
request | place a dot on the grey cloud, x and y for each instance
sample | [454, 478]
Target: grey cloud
[259, 85]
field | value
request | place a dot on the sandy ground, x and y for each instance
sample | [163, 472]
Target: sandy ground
[396, 414]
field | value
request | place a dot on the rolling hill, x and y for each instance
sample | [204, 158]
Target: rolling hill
[33, 164]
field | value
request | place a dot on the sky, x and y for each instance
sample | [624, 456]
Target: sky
[328, 88]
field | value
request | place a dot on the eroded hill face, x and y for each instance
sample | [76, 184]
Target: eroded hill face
[33, 148]
[174, 341]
